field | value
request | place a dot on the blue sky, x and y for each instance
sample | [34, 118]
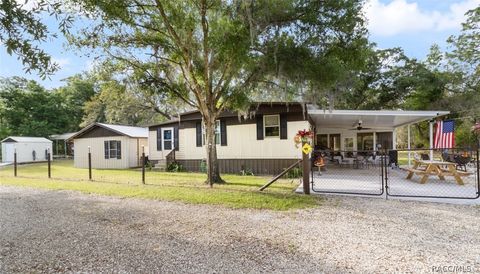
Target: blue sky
[413, 25]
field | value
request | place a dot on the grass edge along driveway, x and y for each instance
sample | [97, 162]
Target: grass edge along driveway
[238, 192]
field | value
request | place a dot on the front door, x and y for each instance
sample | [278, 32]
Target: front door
[9, 151]
[334, 142]
[167, 140]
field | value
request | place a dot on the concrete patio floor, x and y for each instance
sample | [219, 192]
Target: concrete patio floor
[368, 182]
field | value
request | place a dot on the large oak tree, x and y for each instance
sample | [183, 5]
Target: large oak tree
[212, 54]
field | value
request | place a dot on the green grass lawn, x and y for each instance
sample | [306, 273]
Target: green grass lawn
[238, 192]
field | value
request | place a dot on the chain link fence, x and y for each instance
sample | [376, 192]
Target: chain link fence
[422, 173]
[434, 173]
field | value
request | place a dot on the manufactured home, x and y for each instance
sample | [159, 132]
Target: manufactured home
[28, 149]
[110, 146]
[262, 140]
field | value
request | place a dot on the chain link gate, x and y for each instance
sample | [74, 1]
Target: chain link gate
[451, 174]
[347, 172]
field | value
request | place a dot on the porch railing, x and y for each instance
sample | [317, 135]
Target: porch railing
[170, 157]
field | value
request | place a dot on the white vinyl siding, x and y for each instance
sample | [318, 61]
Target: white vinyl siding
[130, 151]
[242, 144]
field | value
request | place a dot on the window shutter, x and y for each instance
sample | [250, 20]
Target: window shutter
[119, 149]
[259, 127]
[175, 138]
[223, 132]
[283, 126]
[199, 134]
[159, 139]
[105, 148]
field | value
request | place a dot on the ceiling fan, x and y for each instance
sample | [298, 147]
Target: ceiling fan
[358, 126]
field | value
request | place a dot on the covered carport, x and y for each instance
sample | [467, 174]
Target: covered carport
[352, 122]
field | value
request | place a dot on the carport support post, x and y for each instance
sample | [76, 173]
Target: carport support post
[89, 164]
[15, 162]
[49, 164]
[306, 172]
[408, 145]
[430, 124]
[143, 164]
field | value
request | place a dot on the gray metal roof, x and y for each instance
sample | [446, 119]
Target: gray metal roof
[130, 131]
[24, 139]
[63, 136]
[136, 132]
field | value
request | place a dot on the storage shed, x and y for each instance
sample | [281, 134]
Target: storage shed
[29, 149]
[111, 146]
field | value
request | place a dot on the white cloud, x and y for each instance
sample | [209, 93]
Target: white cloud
[62, 62]
[402, 16]
[28, 4]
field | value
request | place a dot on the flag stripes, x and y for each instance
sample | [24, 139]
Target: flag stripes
[444, 134]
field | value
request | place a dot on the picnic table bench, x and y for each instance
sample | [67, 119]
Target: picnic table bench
[435, 168]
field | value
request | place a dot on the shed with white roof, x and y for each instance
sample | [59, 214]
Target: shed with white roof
[111, 146]
[28, 149]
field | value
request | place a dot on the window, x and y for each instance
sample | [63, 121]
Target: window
[349, 144]
[218, 133]
[322, 141]
[335, 143]
[271, 125]
[113, 149]
[385, 139]
[167, 134]
[364, 141]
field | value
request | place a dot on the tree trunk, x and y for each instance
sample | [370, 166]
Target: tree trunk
[213, 172]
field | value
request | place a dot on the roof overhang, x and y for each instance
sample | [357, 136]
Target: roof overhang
[370, 118]
[64, 136]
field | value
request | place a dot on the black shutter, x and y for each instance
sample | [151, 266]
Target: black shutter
[283, 126]
[119, 149]
[259, 127]
[199, 134]
[105, 145]
[159, 139]
[175, 138]
[223, 132]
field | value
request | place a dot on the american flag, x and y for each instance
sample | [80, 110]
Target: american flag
[444, 134]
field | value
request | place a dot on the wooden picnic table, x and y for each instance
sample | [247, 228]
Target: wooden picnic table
[436, 168]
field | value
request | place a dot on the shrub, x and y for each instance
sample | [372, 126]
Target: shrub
[294, 173]
[246, 172]
[148, 165]
[175, 167]
[203, 166]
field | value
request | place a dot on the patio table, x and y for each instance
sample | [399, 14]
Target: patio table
[435, 168]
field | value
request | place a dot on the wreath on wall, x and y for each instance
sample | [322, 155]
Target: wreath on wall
[303, 136]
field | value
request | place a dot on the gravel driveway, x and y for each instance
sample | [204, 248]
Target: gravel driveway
[63, 231]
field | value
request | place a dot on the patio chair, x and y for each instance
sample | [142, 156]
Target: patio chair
[447, 157]
[461, 162]
[424, 157]
[372, 160]
[393, 158]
